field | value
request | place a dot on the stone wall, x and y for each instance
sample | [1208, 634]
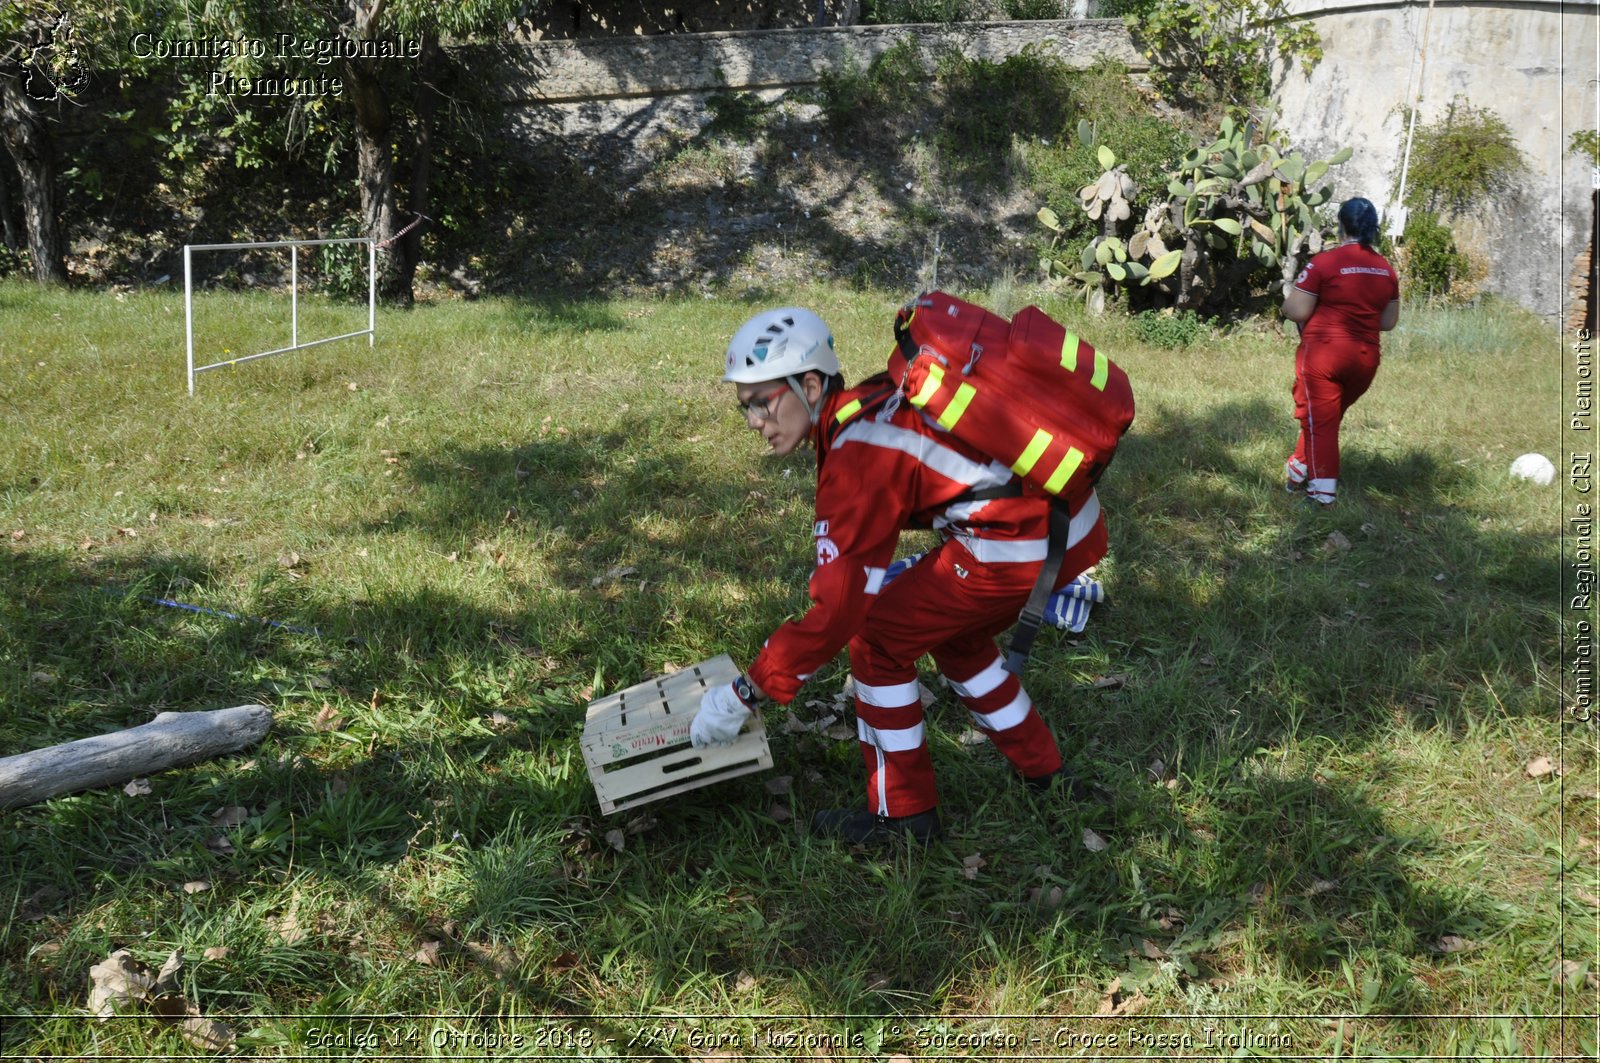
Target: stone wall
[1533, 63]
[630, 88]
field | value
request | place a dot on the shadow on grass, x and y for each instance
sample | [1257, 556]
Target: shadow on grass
[1239, 628]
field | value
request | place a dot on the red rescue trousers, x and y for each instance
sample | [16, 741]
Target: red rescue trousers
[952, 606]
[1329, 376]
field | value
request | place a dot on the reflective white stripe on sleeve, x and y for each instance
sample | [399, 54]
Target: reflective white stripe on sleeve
[941, 459]
[897, 696]
[875, 579]
[1006, 718]
[888, 740]
[985, 682]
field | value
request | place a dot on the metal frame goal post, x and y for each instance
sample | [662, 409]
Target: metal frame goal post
[295, 343]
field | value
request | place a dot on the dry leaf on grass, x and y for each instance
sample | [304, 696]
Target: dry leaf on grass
[117, 983]
[216, 952]
[197, 886]
[1109, 682]
[218, 844]
[617, 840]
[498, 958]
[229, 816]
[137, 788]
[1118, 1002]
[745, 982]
[1337, 541]
[972, 737]
[781, 784]
[1322, 885]
[780, 813]
[328, 719]
[1452, 943]
[428, 954]
[1093, 842]
[972, 865]
[499, 721]
[1539, 767]
[288, 928]
[1151, 950]
[1052, 899]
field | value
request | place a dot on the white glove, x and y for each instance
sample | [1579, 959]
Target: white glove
[723, 711]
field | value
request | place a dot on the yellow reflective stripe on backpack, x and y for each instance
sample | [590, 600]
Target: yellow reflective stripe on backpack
[1064, 471]
[1030, 456]
[1102, 369]
[929, 386]
[1069, 353]
[1069, 361]
[958, 405]
[848, 410]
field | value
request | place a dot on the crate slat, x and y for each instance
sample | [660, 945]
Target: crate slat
[636, 741]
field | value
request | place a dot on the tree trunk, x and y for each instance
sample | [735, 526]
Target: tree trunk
[28, 141]
[428, 98]
[9, 233]
[375, 173]
[171, 740]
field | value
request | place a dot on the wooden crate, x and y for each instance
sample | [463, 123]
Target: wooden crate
[636, 742]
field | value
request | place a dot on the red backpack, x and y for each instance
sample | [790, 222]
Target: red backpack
[1026, 392]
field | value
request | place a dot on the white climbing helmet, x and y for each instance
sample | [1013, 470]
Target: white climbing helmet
[780, 343]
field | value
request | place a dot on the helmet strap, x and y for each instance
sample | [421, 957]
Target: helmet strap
[813, 412]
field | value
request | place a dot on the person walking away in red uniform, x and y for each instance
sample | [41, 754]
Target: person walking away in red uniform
[1342, 299]
[882, 466]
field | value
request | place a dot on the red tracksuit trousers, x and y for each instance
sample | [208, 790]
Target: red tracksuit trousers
[1329, 376]
[951, 606]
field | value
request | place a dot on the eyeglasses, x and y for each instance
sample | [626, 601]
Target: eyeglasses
[762, 405]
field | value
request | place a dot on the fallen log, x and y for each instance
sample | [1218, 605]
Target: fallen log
[170, 740]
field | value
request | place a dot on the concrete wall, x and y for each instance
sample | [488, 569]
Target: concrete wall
[629, 88]
[1533, 63]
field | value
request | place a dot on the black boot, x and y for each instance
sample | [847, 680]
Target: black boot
[1060, 780]
[859, 826]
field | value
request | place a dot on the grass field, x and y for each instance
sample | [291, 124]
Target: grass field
[1323, 836]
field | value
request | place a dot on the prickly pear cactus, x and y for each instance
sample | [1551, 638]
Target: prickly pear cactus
[1238, 213]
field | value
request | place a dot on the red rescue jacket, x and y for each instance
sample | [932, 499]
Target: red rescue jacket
[878, 472]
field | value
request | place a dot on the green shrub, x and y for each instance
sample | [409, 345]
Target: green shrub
[1462, 160]
[1221, 50]
[1169, 328]
[1431, 266]
[1586, 142]
[854, 98]
[1031, 10]
[898, 12]
[985, 104]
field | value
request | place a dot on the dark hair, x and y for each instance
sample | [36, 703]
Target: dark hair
[1359, 218]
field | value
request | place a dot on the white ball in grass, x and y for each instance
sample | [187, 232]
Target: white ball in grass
[1535, 467]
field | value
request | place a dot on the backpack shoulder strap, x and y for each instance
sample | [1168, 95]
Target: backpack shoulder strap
[1032, 615]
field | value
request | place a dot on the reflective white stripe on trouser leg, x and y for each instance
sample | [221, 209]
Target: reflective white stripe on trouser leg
[891, 739]
[893, 696]
[1322, 488]
[985, 682]
[1006, 717]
